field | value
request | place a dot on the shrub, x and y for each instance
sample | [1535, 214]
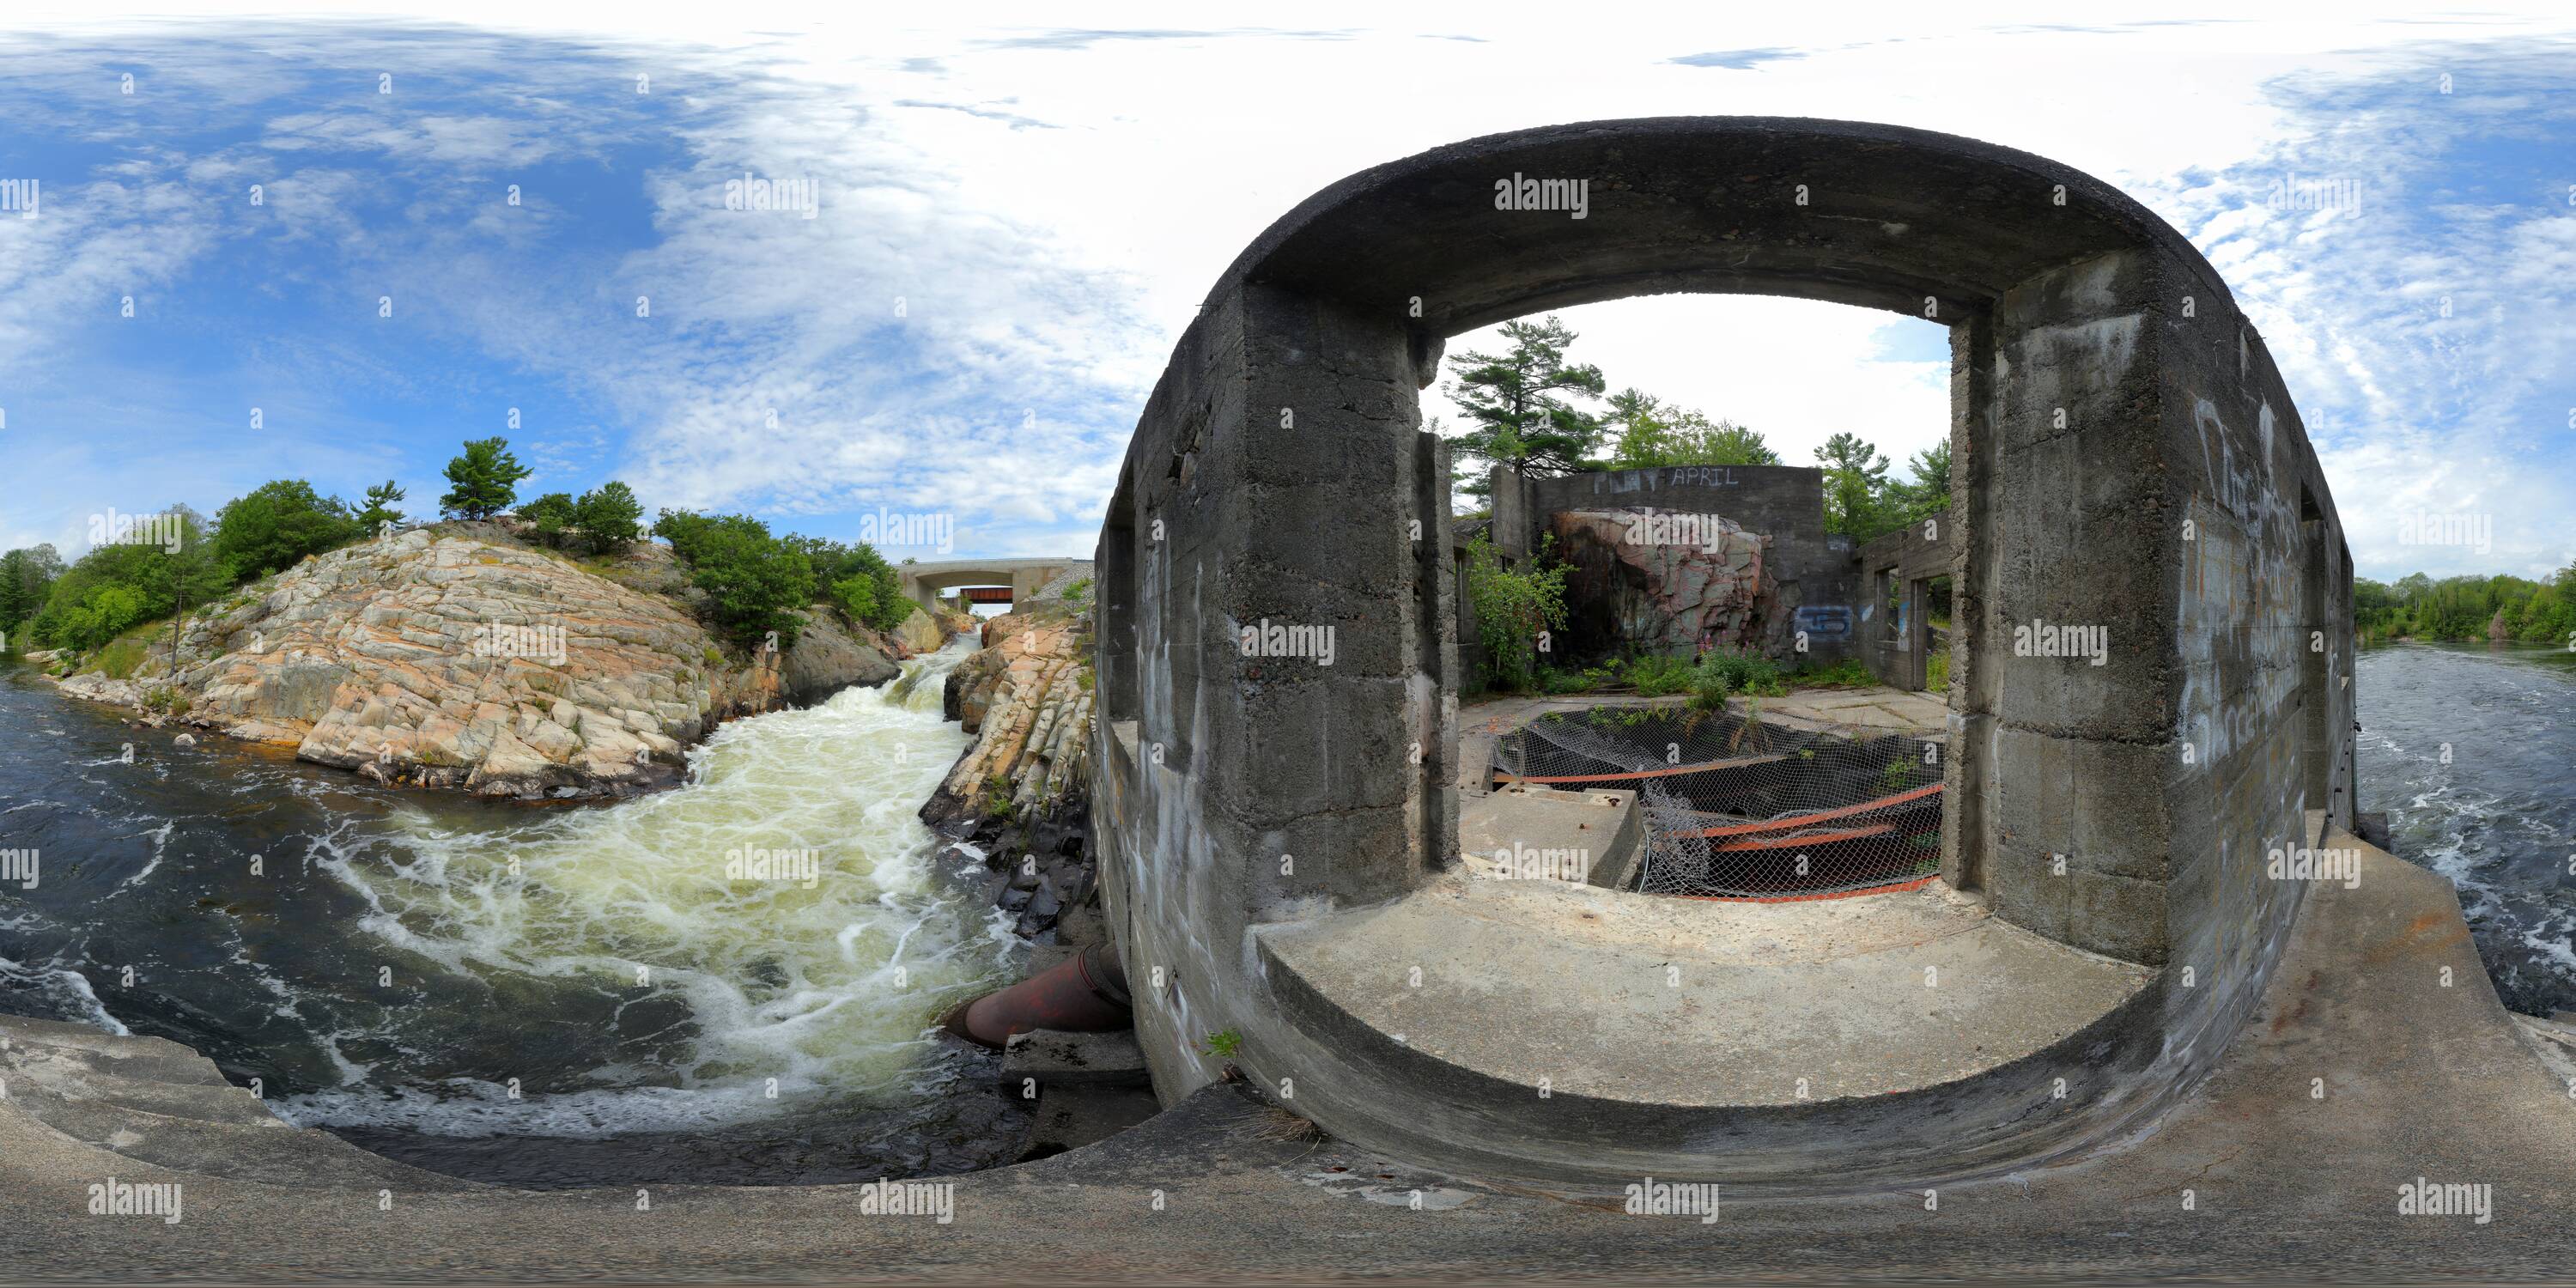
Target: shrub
[1551, 680]
[551, 514]
[1656, 676]
[754, 581]
[106, 612]
[1740, 673]
[277, 524]
[1513, 608]
[609, 517]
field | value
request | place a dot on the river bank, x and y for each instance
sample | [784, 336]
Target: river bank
[466, 657]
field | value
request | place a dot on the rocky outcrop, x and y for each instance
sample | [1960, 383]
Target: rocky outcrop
[1026, 695]
[1650, 582]
[461, 662]
[1018, 800]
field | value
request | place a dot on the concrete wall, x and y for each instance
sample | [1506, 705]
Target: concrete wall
[1892, 637]
[2128, 463]
[1237, 788]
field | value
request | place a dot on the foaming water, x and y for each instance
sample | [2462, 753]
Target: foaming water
[765, 942]
[2467, 748]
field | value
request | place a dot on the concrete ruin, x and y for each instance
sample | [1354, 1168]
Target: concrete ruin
[2152, 642]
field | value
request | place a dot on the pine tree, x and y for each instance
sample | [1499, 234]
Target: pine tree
[1515, 401]
[486, 478]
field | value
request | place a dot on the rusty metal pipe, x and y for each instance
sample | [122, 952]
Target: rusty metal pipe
[1086, 993]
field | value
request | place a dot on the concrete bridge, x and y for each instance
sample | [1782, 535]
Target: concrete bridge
[923, 581]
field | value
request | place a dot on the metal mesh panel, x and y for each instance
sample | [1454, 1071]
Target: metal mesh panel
[1739, 808]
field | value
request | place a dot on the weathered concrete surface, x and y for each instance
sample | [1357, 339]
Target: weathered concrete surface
[1855, 1038]
[2421, 1081]
[1524, 831]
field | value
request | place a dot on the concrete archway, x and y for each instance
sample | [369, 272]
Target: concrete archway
[2130, 462]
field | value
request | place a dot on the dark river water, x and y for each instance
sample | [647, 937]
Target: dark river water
[529, 994]
[2472, 751]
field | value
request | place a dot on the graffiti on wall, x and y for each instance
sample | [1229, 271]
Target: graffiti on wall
[1825, 621]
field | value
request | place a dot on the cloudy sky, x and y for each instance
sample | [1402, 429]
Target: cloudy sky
[394, 232]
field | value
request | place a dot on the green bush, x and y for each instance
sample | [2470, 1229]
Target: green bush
[609, 516]
[1513, 609]
[105, 613]
[275, 525]
[1656, 676]
[1721, 673]
[1551, 680]
[551, 513]
[882, 605]
[754, 582]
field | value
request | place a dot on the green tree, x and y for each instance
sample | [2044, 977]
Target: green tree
[861, 581]
[608, 517]
[486, 479]
[1855, 487]
[26, 577]
[163, 581]
[277, 524]
[1654, 434]
[379, 509]
[551, 514]
[754, 582]
[1516, 401]
[1929, 492]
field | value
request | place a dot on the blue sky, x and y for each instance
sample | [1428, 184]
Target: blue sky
[1015, 220]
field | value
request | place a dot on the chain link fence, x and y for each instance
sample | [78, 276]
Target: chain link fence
[1736, 807]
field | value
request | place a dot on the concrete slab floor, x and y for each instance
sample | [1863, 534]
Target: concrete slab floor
[1662, 1001]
